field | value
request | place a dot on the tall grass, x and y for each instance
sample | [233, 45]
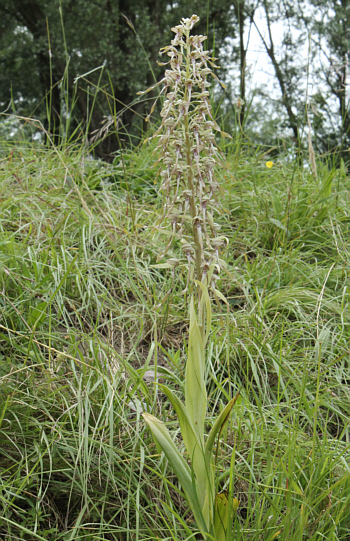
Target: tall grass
[85, 318]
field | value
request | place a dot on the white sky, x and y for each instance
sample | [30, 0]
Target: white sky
[260, 72]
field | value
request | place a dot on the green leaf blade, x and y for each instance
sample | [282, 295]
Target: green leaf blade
[179, 465]
[219, 423]
[196, 453]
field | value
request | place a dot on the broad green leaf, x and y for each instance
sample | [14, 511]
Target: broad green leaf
[191, 441]
[195, 391]
[179, 465]
[219, 423]
[196, 453]
[222, 514]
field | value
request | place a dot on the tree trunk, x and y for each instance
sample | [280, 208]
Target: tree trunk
[29, 14]
[287, 100]
[239, 7]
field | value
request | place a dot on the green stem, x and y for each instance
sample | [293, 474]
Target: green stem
[201, 314]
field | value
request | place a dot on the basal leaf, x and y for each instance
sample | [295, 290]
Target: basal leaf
[179, 465]
[196, 453]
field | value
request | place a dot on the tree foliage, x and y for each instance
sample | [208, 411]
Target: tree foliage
[46, 44]
[78, 65]
[329, 31]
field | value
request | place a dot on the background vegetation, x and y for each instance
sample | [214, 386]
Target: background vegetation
[78, 66]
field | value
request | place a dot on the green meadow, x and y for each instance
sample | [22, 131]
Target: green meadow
[87, 325]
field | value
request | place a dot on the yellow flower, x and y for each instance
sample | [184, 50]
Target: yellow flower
[269, 164]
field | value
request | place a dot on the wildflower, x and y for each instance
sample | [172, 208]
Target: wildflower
[189, 155]
[269, 164]
[239, 103]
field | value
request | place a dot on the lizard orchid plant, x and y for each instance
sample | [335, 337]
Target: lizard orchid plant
[189, 156]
